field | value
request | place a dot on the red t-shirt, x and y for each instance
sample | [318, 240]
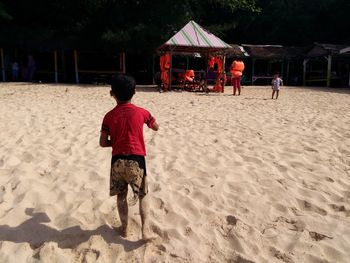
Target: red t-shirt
[124, 125]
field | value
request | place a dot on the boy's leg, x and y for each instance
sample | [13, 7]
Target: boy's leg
[119, 187]
[277, 92]
[123, 212]
[144, 213]
[273, 93]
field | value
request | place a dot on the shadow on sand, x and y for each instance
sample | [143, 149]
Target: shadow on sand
[34, 232]
[340, 90]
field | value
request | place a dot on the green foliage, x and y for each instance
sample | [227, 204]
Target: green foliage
[297, 22]
[143, 25]
[3, 13]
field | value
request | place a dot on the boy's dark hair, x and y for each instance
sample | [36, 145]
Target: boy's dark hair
[123, 87]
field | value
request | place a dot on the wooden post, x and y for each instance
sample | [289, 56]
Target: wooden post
[121, 62]
[304, 71]
[124, 67]
[153, 70]
[63, 58]
[253, 62]
[329, 70]
[2, 64]
[287, 73]
[282, 68]
[56, 68]
[76, 66]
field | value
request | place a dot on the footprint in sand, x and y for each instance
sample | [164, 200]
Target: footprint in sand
[291, 224]
[231, 220]
[281, 168]
[305, 205]
[27, 157]
[310, 149]
[317, 236]
[159, 204]
[251, 159]
[281, 256]
[329, 179]
[340, 208]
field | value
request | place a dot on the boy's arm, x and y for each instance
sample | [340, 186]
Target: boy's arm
[151, 122]
[104, 141]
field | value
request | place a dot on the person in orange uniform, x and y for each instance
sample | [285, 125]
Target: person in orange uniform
[237, 68]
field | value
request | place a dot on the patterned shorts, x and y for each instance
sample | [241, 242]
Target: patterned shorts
[124, 172]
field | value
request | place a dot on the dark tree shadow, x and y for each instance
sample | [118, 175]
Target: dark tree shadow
[34, 232]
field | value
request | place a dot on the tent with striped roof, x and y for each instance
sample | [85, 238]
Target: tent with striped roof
[194, 38]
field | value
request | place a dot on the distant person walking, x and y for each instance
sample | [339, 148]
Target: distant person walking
[276, 85]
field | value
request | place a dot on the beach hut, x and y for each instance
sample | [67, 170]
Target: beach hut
[266, 59]
[191, 39]
[327, 64]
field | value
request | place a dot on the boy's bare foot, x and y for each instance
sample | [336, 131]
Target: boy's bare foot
[147, 235]
[123, 231]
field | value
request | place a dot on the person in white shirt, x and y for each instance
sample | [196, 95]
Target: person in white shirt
[276, 85]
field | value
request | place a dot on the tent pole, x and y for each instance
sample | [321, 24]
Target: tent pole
[329, 70]
[224, 73]
[55, 61]
[76, 66]
[2, 64]
[206, 79]
[171, 69]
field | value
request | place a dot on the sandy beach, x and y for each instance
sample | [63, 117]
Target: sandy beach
[231, 179]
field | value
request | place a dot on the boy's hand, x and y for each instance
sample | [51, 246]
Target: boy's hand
[104, 141]
[155, 126]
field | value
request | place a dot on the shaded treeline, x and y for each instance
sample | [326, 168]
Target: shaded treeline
[142, 25]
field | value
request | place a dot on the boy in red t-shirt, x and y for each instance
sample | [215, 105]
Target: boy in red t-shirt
[122, 129]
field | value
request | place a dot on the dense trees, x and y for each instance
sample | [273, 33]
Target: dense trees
[297, 22]
[144, 25]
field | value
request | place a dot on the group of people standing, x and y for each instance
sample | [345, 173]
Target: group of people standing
[27, 72]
